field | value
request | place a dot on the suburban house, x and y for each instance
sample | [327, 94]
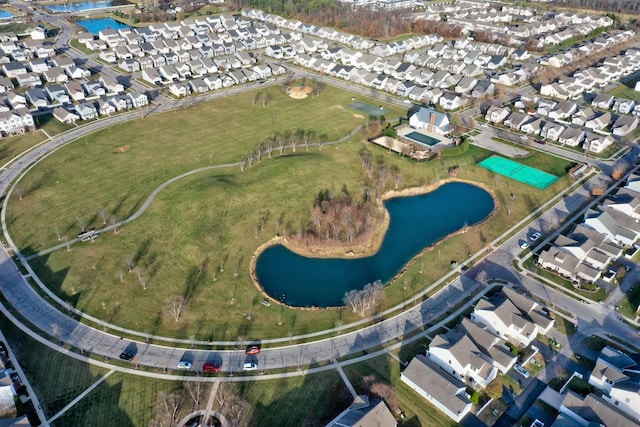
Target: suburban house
[599, 122]
[572, 136]
[617, 376]
[617, 226]
[64, 115]
[456, 354]
[593, 411]
[431, 121]
[15, 121]
[597, 143]
[86, 111]
[516, 120]
[496, 114]
[552, 131]
[603, 101]
[581, 255]
[512, 316]
[445, 392]
[491, 345]
[624, 125]
[365, 412]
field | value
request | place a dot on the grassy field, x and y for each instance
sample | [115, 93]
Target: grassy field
[14, 145]
[211, 218]
[302, 401]
[418, 411]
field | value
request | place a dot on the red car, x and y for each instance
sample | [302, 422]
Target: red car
[211, 367]
[252, 349]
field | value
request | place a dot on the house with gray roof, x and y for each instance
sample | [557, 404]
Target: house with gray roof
[445, 392]
[512, 316]
[594, 410]
[617, 226]
[624, 125]
[430, 120]
[458, 355]
[365, 412]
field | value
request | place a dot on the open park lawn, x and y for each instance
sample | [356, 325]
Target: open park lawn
[211, 219]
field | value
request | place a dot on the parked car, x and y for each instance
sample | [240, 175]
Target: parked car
[250, 366]
[522, 371]
[185, 365]
[252, 349]
[540, 141]
[210, 367]
[524, 244]
[125, 355]
[535, 236]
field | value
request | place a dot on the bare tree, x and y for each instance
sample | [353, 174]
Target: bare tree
[82, 223]
[361, 301]
[175, 307]
[481, 277]
[56, 331]
[113, 221]
[397, 176]
[619, 169]
[143, 282]
[195, 389]
[265, 99]
[104, 215]
[130, 263]
[139, 271]
[386, 393]
[121, 275]
[254, 98]
[167, 408]
[19, 191]
[235, 409]
[58, 234]
[223, 394]
[597, 188]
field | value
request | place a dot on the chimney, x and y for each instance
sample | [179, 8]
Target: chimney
[432, 122]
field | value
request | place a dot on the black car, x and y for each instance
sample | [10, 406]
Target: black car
[126, 355]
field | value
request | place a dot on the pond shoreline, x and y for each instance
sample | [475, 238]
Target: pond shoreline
[368, 248]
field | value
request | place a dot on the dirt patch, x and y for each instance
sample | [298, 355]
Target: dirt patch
[122, 149]
[358, 116]
[299, 92]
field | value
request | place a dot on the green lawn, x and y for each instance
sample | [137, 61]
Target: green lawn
[200, 221]
[12, 146]
[307, 400]
[418, 411]
[626, 90]
[629, 303]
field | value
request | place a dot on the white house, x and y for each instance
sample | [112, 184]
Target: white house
[512, 316]
[430, 120]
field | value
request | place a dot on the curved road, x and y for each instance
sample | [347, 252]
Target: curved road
[24, 300]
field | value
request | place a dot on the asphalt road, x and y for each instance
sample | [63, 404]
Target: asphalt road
[46, 318]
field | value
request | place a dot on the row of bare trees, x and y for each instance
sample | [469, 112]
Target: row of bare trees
[279, 143]
[363, 300]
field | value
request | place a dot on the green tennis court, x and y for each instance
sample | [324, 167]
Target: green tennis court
[368, 109]
[519, 172]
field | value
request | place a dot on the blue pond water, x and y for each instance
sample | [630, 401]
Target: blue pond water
[5, 14]
[78, 6]
[94, 26]
[416, 222]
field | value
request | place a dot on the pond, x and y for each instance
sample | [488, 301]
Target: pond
[5, 14]
[416, 222]
[79, 6]
[94, 26]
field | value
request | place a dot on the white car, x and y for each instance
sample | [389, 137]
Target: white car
[183, 364]
[522, 371]
[250, 366]
[535, 236]
[524, 245]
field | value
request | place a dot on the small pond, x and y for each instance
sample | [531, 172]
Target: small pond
[415, 223]
[94, 26]
[5, 14]
[79, 6]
